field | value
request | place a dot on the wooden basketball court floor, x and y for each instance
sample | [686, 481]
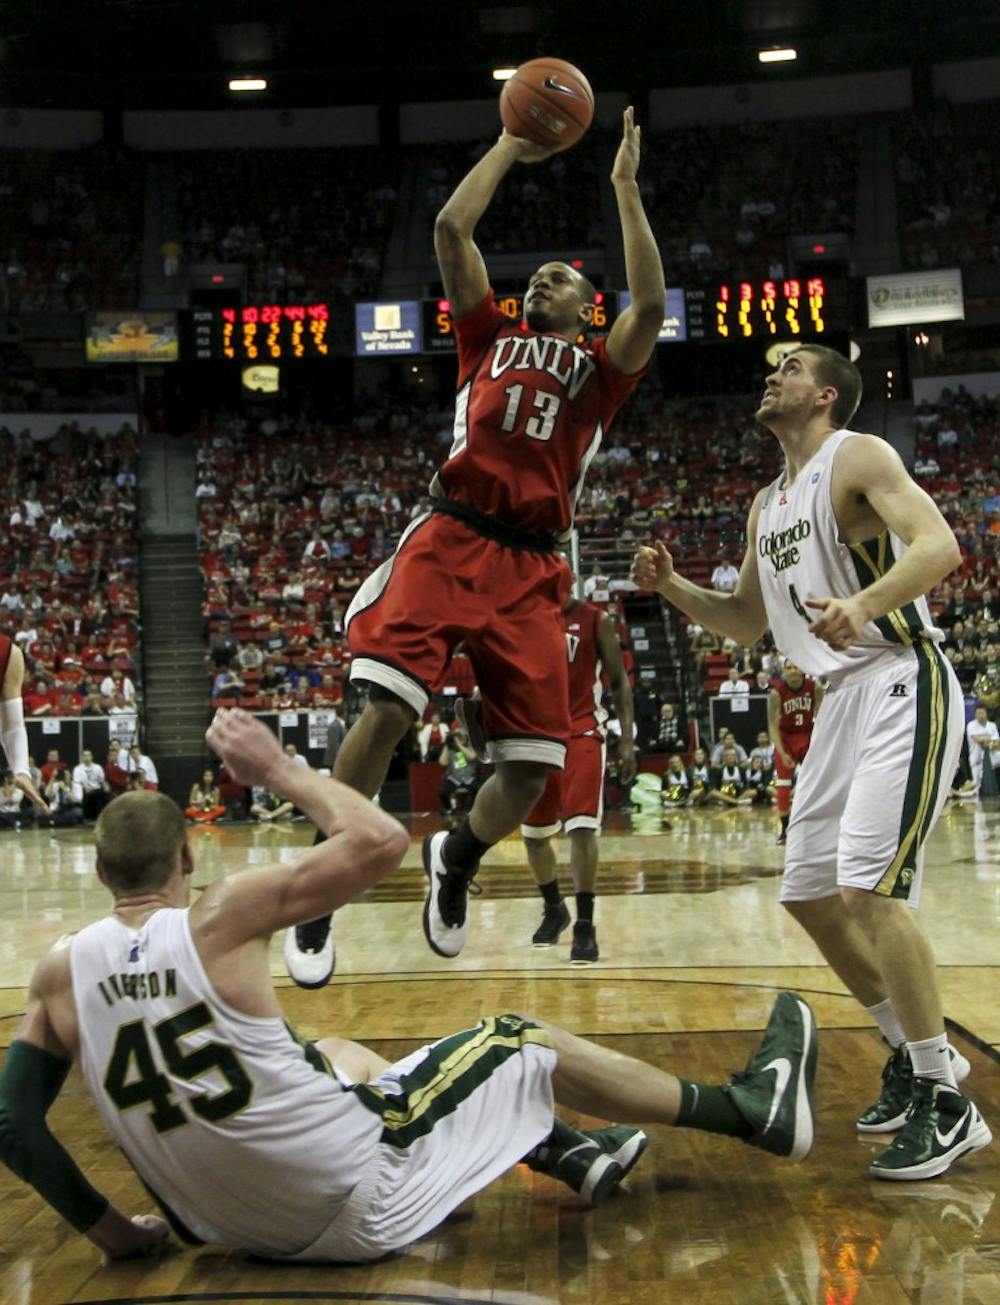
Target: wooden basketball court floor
[693, 949]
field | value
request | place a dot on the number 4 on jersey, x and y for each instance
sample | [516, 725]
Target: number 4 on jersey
[797, 604]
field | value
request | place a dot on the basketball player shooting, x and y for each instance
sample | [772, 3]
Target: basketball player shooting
[482, 568]
[842, 548]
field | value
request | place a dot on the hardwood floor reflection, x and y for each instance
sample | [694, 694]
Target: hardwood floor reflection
[694, 948]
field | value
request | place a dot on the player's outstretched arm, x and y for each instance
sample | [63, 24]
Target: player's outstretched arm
[633, 336]
[362, 846]
[36, 1068]
[462, 268]
[12, 731]
[739, 615]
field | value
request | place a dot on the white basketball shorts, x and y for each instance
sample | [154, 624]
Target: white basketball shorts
[884, 751]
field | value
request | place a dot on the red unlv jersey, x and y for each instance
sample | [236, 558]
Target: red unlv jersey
[585, 669]
[530, 414]
[797, 708]
[5, 647]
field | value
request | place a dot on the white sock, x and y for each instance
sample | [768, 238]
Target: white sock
[931, 1060]
[885, 1017]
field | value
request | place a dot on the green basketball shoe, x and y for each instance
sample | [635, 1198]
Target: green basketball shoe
[592, 1163]
[774, 1092]
[942, 1126]
[888, 1113]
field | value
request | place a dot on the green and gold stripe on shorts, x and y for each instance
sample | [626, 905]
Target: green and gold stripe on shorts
[923, 784]
[872, 559]
[451, 1072]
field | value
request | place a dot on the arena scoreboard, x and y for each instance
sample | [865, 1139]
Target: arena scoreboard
[261, 332]
[782, 309]
[749, 310]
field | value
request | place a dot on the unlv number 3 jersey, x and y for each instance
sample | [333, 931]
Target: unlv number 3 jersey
[585, 688]
[530, 414]
[800, 556]
[797, 708]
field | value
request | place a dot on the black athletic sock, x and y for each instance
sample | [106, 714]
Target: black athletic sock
[711, 1109]
[551, 893]
[784, 824]
[463, 851]
[585, 908]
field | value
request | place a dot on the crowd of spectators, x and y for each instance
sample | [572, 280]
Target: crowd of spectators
[948, 185]
[26, 387]
[70, 229]
[724, 199]
[554, 207]
[308, 224]
[958, 463]
[711, 223]
[68, 560]
[75, 794]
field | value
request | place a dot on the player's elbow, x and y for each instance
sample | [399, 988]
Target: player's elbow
[650, 307]
[951, 554]
[448, 232]
[379, 851]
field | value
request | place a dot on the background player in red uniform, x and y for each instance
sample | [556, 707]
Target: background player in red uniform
[573, 797]
[12, 732]
[792, 704]
[481, 568]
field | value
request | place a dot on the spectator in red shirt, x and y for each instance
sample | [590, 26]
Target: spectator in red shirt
[113, 773]
[40, 701]
[53, 762]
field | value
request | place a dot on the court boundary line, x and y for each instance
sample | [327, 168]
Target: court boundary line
[195, 1298]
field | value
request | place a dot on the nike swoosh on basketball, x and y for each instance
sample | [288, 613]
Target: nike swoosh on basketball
[946, 1139]
[782, 1073]
[552, 85]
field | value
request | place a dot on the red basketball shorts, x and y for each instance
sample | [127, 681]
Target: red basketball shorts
[447, 585]
[573, 797]
[797, 745]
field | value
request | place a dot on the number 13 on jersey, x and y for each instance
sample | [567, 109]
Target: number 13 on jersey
[539, 426]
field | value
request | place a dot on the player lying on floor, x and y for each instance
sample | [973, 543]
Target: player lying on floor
[250, 1137]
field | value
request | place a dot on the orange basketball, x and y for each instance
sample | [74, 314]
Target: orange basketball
[547, 101]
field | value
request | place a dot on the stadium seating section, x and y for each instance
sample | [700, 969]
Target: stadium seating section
[67, 569]
[308, 224]
[70, 229]
[948, 186]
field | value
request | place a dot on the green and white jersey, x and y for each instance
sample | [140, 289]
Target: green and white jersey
[800, 556]
[242, 1131]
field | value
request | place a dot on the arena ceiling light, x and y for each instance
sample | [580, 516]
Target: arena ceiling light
[784, 54]
[248, 83]
[503, 74]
